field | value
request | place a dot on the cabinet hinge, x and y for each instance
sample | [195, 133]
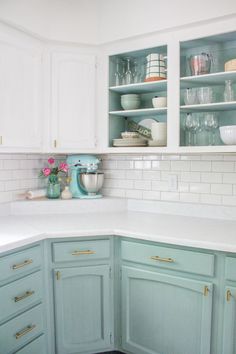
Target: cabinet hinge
[58, 275]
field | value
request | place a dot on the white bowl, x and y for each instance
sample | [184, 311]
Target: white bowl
[130, 96]
[228, 134]
[159, 102]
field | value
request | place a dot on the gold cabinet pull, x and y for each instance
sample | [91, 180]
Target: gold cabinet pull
[55, 143]
[228, 295]
[25, 331]
[21, 265]
[80, 253]
[160, 259]
[206, 290]
[58, 275]
[0, 139]
[23, 296]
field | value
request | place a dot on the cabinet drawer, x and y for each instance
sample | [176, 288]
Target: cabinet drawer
[19, 263]
[35, 347]
[81, 250]
[17, 332]
[20, 294]
[230, 268]
[170, 258]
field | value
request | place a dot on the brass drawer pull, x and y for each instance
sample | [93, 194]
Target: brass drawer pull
[228, 295]
[160, 259]
[80, 253]
[25, 331]
[24, 296]
[21, 265]
[206, 290]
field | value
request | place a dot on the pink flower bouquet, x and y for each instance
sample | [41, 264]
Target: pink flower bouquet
[52, 171]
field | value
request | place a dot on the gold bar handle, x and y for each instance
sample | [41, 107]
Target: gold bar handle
[205, 290]
[55, 143]
[21, 265]
[25, 331]
[24, 296]
[1, 140]
[228, 295]
[80, 253]
[160, 259]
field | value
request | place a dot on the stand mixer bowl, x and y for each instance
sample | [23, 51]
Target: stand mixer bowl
[91, 182]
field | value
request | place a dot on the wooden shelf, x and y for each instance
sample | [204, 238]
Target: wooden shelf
[208, 79]
[139, 112]
[142, 87]
[209, 107]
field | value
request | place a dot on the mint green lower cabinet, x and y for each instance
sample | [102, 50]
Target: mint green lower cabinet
[82, 309]
[165, 314]
[229, 332]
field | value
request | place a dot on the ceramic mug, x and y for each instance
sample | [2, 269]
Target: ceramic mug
[159, 132]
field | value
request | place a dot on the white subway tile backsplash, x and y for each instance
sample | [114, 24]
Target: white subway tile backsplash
[189, 197]
[220, 188]
[211, 177]
[200, 188]
[170, 196]
[134, 174]
[190, 176]
[160, 186]
[161, 165]
[151, 195]
[222, 166]
[229, 177]
[180, 165]
[200, 166]
[152, 175]
[134, 193]
[210, 199]
[143, 184]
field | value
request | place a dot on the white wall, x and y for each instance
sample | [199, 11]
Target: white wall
[99, 21]
[63, 20]
[125, 18]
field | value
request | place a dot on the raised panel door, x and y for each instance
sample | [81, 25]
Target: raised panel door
[229, 330]
[164, 314]
[20, 97]
[73, 101]
[82, 309]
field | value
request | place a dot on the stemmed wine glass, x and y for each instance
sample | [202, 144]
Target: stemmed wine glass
[192, 126]
[211, 124]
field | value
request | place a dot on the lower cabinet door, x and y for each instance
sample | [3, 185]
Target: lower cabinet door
[82, 309]
[165, 314]
[229, 332]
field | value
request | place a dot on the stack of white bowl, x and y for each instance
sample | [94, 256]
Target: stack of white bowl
[130, 101]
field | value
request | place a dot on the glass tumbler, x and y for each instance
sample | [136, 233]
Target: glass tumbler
[205, 95]
[190, 96]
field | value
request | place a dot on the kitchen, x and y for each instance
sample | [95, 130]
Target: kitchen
[150, 267]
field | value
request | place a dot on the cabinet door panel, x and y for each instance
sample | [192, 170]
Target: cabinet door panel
[163, 314]
[229, 334]
[20, 96]
[82, 305]
[73, 100]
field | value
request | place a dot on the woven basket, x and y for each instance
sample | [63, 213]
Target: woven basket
[230, 65]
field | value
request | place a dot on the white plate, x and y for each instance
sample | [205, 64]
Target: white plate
[129, 142]
[156, 143]
[147, 123]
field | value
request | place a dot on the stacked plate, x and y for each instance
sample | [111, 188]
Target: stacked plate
[129, 139]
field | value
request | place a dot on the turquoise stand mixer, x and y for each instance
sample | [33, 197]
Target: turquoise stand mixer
[86, 180]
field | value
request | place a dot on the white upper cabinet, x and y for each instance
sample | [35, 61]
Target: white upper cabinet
[73, 80]
[20, 94]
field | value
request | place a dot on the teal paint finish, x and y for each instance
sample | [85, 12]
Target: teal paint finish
[229, 330]
[182, 260]
[38, 346]
[76, 251]
[20, 294]
[164, 314]
[82, 309]
[9, 330]
[19, 263]
[230, 268]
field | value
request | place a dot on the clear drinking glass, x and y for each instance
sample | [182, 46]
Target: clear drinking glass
[192, 127]
[128, 72]
[136, 72]
[205, 95]
[228, 91]
[211, 124]
[190, 96]
[117, 74]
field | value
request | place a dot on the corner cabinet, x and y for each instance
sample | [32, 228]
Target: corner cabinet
[20, 92]
[82, 296]
[72, 115]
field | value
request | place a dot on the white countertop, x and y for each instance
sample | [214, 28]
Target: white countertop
[20, 230]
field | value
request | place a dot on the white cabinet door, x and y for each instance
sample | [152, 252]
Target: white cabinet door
[20, 97]
[73, 101]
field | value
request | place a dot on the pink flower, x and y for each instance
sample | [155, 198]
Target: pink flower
[46, 171]
[51, 160]
[63, 167]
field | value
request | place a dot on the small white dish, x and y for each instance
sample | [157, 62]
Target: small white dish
[129, 135]
[159, 102]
